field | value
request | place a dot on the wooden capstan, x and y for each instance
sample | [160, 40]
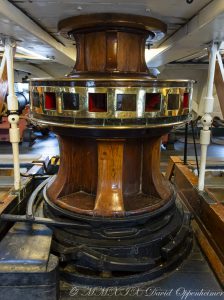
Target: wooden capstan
[109, 115]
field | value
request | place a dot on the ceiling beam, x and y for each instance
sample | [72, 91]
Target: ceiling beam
[33, 70]
[62, 54]
[207, 25]
[219, 85]
[186, 66]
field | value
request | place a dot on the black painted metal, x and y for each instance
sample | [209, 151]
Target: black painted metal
[195, 147]
[139, 81]
[185, 143]
[131, 249]
[40, 220]
[27, 269]
[30, 217]
[163, 121]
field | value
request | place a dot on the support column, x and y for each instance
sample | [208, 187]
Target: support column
[13, 118]
[206, 120]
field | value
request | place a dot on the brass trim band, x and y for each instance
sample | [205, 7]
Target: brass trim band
[171, 104]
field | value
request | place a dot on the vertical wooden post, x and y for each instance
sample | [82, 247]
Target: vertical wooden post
[153, 182]
[109, 196]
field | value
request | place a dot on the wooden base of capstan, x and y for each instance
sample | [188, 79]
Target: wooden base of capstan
[110, 176]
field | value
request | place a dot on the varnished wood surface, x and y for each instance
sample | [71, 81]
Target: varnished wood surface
[84, 203]
[112, 50]
[109, 51]
[209, 214]
[212, 216]
[171, 165]
[132, 167]
[5, 198]
[209, 251]
[111, 42]
[94, 52]
[99, 176]
[109, 197]
[153, 182]
[107, 176]
[78, 168]
[216, 193]
[92, 21]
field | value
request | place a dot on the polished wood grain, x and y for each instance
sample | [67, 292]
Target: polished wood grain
[171, 165]
[109, 196]
[208, 224]
[95, 52]
[108, 51]
[111, 42]
[109, 176]
[132, 167]
[209, 252]
[80, 52]
[89, 22]
[112, 49]
[131, 54]
[78, 168]
[153, 182]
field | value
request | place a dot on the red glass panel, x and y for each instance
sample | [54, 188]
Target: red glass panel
[50, 100]
[152, 102]
[186, 100]
[97, 102]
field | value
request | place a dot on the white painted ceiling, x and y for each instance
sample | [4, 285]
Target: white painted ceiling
[48, 13]
[182, 19]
